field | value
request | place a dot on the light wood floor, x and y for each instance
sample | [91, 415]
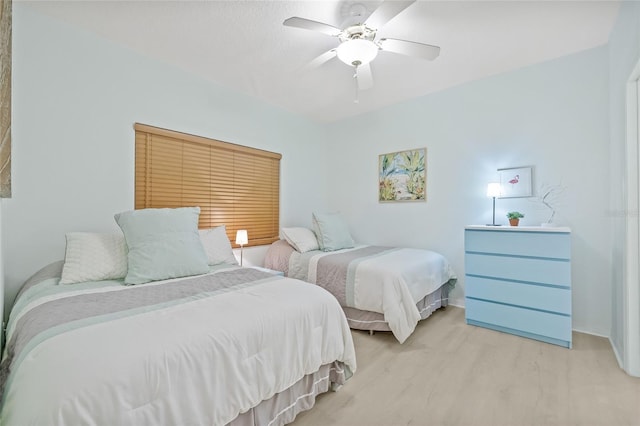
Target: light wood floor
[450, 373]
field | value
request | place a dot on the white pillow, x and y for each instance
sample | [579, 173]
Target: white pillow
[301, 239]
[94, 256]
[332, 231]
[217, 246]
[162, 244]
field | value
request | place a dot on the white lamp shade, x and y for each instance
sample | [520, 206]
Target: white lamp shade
[242, 237]
[357, 52]
[494, 189]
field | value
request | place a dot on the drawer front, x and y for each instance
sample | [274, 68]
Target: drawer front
[555, 245]
[528, 295]
[554, 272]
[520, 319]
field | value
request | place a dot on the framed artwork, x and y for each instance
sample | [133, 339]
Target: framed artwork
[402, 176]
[516, 182]
[5, 98]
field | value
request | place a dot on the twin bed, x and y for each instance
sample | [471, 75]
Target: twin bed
[159, 325]
[379, 288]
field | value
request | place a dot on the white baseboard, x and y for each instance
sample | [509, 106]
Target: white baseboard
[458, 304]
[615, 352]
[592, 333]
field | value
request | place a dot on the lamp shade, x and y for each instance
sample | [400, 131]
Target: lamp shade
[242, 237]
[357, 52]
[494, 189]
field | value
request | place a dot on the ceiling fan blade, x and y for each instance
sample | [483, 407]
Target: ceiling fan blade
[325, 57]
[386, 12]
[308, 24]
[364, 77]
[410, 48]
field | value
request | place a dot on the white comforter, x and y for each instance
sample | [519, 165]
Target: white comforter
[199, 362]
[391, 282]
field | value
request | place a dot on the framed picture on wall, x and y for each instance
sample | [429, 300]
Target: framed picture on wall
[516, 182]
[402, 176]
[5, 98]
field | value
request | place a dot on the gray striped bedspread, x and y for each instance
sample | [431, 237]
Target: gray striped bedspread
[386, 280]
[196, 350]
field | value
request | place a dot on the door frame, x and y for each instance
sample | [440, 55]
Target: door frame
[631, 281]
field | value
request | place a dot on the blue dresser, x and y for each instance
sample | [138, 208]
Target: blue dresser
[518, 281]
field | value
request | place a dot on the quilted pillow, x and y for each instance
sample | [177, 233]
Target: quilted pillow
[162, 243]
[217, 246]
[302, 239]
[91, 256]
[332, 231]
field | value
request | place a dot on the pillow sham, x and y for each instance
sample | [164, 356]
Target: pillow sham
[217, 246]
[332, 231]
[162, 244]
[91, 256]
[301, 239]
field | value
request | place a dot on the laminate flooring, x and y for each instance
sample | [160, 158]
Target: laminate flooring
[451, 373]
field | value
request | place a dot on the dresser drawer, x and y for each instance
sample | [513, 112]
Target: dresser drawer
[538, 244]
[544, 271]
[514, 293]
[523, 320]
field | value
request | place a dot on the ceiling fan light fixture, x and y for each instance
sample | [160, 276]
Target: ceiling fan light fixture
[357, 52]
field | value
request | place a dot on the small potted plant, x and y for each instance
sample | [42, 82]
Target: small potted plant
[514, 218]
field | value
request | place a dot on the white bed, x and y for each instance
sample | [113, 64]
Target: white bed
[235, 346]
[379, 288]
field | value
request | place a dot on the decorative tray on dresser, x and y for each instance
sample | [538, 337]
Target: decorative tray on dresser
[518, 281]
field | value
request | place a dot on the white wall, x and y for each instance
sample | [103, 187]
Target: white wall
[77, 96]
[553, 116]
[624, 53]
[75, 100]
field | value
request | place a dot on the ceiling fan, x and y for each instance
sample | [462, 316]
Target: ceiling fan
[358, 45]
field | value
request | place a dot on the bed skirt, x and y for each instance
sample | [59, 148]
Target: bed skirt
[374, 321]
[283, 407]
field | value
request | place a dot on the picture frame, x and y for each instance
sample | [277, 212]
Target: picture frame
[402, 176]
[516, 182]
[5, 98]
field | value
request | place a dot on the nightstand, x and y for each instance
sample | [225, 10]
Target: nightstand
[518, 281]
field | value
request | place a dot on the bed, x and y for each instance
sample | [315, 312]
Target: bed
[232, 345]
[379, 288]
[198, 350]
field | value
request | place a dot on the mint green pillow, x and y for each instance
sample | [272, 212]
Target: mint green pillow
[162, 244]
[332, 231]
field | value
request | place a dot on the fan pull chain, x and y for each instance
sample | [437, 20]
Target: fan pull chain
[355, 78]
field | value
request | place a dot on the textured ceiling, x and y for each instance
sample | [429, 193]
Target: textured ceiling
[243, 44]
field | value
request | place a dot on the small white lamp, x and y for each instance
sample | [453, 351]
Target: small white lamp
[241, 238]
[494, 190]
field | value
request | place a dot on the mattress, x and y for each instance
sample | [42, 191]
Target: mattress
[196, 350]
[389, 281]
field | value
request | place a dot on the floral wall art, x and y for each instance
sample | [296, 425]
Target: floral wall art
[5, 98]
[402, 176]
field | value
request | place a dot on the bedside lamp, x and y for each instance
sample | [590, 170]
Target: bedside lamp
[242, 238]
[494, 190]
